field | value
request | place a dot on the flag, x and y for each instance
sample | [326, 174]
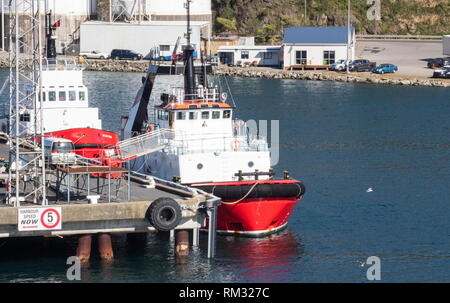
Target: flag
[57, 24]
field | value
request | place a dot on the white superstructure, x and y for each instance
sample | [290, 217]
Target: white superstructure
[209, 144]
[65, 99]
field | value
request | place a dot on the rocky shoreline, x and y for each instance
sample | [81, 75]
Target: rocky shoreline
[330, 76]
[269, 73]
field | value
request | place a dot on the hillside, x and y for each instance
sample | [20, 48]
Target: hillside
[266, 19]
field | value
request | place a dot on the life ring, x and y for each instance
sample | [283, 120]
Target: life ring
[223, 96]
[164, 214]
[235, 144]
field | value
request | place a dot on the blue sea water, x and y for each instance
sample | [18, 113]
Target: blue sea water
[340, 139]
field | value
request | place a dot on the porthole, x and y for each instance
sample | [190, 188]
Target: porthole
[199, 166]
[250, 164]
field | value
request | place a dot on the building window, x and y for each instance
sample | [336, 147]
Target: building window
[215, 115]
[51, 96]
[81, 96]
[226, 114]
[328, 57]
[164, 48]
[192, 115]
[268, 55]
[72, 95]
[181, 115]
[205, 115]
[301, 57]
[244, 54]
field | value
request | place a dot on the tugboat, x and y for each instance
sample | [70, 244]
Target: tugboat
[209, 149]
[65, 110]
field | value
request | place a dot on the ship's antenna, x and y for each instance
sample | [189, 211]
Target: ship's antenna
[189, 76]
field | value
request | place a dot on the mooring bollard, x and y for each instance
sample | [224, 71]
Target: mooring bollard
[181, 242]
[105, 247]
[84, 247]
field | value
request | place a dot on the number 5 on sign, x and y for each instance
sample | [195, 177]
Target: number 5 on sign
[39, 218]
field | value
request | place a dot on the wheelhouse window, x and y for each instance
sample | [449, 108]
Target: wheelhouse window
[72, 95]
[52, 96]
[244, 54]
[181, 115]
[81, 96]
[328, 57]
[205, 115]
[193, 115]
[25, 117]
[301, 57]
[43, 96]
[62, 96]
[215, 114]
[226, 114]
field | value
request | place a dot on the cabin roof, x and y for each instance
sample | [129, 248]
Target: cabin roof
[316, 35]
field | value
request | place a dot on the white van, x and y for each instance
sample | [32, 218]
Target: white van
[59, 151]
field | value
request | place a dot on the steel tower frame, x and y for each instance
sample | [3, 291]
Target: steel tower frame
[26, 157]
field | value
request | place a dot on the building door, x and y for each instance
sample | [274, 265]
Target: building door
[301, 57]
[329, 57]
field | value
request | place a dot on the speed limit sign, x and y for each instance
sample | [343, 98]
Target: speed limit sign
[42, 218]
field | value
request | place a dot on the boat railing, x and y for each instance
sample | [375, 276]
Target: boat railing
[201, 94]
[61, 64]
[183, 144]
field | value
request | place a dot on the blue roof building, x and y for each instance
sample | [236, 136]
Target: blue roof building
[316, 46]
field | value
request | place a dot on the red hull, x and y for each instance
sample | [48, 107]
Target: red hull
[254, 216]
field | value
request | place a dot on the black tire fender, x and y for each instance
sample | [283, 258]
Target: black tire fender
[164, 214]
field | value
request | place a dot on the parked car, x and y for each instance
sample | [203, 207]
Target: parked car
[444, 72]
[59, 151]
[385, 68]
[361, 65]
[339, 65]
[438, 62]
[125, 54]
[94, 55]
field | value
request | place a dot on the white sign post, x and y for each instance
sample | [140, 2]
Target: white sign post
[42, 218]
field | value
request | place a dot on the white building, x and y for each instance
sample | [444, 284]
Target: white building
[144, 38]
[72, 13]
[316, 47]
[263, 55]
